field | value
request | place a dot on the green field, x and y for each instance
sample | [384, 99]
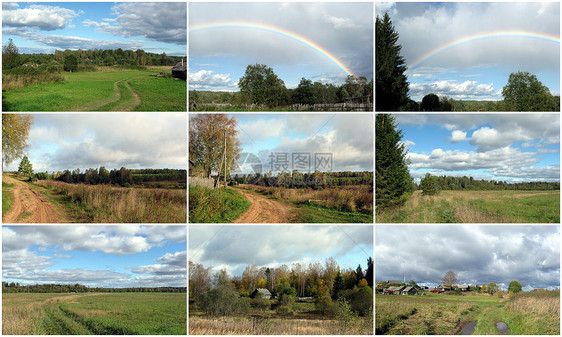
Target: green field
[476, 207]
[215, 205]
[94, 313]
[124, 90]
[443, 314]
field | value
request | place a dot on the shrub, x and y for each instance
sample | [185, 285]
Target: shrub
[285, 310]
[223, 301]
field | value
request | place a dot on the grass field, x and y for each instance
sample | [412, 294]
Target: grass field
[215, 206]
[477, 207]
[7, 197]
[442, 314]
[106, 204]
[94, 314]
[118, 90]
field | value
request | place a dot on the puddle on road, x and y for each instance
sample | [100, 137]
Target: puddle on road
[468, 329]
[502, 328]
[501, 306]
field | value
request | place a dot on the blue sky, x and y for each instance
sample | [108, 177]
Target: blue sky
[477, 254]
[218, 57]
[507, 147]
[235, 247]
[142, 140]
[348, 138]
[43, 27]
[95, 256]
[477, 70]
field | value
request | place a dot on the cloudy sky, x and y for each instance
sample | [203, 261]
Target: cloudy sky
[218, 56]
[68, 141]
[235, 247]
[347, 138]
[43, 27]
[477, 254]
[95, 256]
[479, 69]
[507, 147]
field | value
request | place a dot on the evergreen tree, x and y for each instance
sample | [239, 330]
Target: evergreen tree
[428, 184]
[369, 272]
[392, 85]
[338, 286]
[392, 177]
[25, 167]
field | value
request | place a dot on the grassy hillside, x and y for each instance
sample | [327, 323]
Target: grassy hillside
[215, 205]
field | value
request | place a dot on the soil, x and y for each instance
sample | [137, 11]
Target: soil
[29, 205]
[264, 210]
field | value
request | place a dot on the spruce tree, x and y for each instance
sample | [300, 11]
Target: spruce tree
[392, 177]
[392, 86]
[429, 185]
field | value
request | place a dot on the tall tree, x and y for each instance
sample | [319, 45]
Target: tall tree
[338, 286]
[450, 278]
[492, 288]
[15, 131]
[261, 85]
[206, 141]
[369, 272]
[524, 92]
[514, 286]
[10, 55]
[392, 178]
[430, 102]
[25, 167]
[391, 90]
[70, 63]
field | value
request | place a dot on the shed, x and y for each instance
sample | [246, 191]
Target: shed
[180, 71]
[395, 290]
[464, 287]
[265, 292]
[409, 291]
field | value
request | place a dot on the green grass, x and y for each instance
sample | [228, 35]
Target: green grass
[215, 205]
[318, 214]
[100, 314]
[476, 207]
[96, 89]
[7, 197]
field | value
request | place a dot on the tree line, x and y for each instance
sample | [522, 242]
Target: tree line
[314, 180]
[523, 91]
[13, 287]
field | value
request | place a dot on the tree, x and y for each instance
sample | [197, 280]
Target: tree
[223, 301]
[261, 85]
[369, 272]
[199, 280]
[483, 287]
[524, 92]
[514, 286]
[15, 131]
[304, 93]
[25, 167]
[429, 186]
[338, 286]
[450, 278]
[70, 63]
[492, 288]
[392, 178]
[10, 55]
[430, 102]
[206, 141]
[392, 86]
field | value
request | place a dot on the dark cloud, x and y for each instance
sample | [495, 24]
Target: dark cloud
[478, 254]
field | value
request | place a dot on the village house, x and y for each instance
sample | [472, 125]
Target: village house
[180, 71]
[394, 290]
[266, 294]
[409, 291]
[464, 287]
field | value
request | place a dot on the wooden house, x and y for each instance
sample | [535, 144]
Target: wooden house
[464, 287]
[394, 290]
[409, 291]
[266, 294]
[180, 71]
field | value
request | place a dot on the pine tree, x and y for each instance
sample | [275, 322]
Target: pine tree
[392, 177]
[392, 86]
[338, 286]
[25, 167]
[429, 185]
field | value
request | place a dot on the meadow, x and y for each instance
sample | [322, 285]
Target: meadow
[215, 205]
[109, 89]
[534, 313]
[108, 204]
[94, 313]
[476, 207]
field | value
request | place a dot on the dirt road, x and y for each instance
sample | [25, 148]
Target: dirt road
[264, 210]
[29, 205]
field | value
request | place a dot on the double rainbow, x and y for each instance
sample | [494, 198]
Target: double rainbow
[476, 37]
[276, 30]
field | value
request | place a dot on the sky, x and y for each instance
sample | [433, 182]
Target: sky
[345, 140]
[478, 69]
[235, 247]
[218, 56]
[477, 254]
[506, 147]
[61, 142]
[95, 256]
[43, 27]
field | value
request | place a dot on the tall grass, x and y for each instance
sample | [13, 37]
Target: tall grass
[215, 205]
[17, 81]
[534, 313]
[103, 203]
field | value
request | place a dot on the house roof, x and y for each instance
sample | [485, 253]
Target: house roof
[408, 288]
[395, 288]
[180, 66]
[263, 291]
[462, 286]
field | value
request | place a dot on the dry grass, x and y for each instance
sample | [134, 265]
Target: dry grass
[11, 82]
[21, 320]
[104, 203]
[343, 198]
[540, 303]
[265, 326]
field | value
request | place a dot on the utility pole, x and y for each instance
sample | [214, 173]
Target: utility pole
[224, 151]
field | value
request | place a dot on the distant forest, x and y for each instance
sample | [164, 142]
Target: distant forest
[78, 288]
[304, 180]
[469, 183]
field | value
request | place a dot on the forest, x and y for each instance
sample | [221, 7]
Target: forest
[448, 183]
[313, 180]
[79, 288]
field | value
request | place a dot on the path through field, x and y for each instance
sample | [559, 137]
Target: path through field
[29, 205]
[264, 210]
[124, 98]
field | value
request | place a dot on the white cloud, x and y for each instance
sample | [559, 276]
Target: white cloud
[37, 16]
[339, 22]
[452, 89]
[458, 136]
[204, 79]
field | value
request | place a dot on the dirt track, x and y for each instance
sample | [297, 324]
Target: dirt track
[264, 210]
[37, 209]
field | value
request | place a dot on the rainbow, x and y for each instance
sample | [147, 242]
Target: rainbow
[276, 30]
[476, 37]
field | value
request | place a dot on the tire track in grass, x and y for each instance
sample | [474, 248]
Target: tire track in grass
[98, 105]
[126, 105]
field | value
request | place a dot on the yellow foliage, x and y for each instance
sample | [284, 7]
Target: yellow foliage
[362, 283]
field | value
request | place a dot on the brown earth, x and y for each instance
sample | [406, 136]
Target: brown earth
[264, 210]
[29, 205]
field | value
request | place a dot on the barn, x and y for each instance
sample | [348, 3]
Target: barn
[464, 287]
[180, 71]
[409, 291]
[265, 292]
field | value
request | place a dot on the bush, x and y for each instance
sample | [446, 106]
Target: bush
[285, 310]
[223, 301]
[324, 304]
